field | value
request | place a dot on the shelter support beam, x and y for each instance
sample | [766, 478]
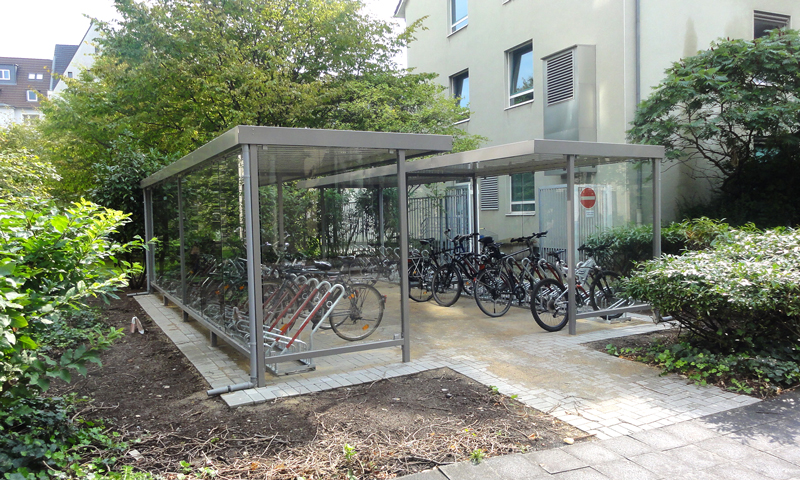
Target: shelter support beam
[281, 231]
[475, 220]
[323, 224]
[252, 222]
[402, 204]
[656, 207]
[380, 220]
[148, 235]
[571, 247]
[182, 238]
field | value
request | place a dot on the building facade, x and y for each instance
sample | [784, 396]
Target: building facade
[571, 70]
[23, 83]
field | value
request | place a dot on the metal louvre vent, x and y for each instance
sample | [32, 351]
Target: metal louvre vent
[775, 18]
[560, 78]
[488, 194]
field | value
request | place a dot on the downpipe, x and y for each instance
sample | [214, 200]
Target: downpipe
[229, 389]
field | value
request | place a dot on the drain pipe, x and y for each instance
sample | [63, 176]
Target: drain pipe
[229, 389]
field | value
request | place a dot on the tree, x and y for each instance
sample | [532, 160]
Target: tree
[732, 114]
[177, 73]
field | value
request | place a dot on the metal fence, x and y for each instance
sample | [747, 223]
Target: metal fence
[552, 204]
[429, 217]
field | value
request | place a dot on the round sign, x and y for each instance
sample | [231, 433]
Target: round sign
[588, 198]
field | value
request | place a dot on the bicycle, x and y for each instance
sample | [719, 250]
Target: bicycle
[458, 275]
[421, 266]
[549, 304]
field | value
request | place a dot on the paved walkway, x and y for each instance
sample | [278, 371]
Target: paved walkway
[754, 442]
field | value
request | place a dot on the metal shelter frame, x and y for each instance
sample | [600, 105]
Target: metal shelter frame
[520, 157]
[272, 156]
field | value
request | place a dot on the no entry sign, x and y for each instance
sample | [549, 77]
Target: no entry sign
[588, 198]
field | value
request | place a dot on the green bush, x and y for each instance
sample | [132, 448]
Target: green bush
[629, 245]
[51, 260]
[742, 294]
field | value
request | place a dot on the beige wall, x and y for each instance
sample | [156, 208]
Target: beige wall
[670, 29]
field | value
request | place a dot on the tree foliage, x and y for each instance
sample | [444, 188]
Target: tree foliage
[23, 173]
[176, 73]
[732, 113]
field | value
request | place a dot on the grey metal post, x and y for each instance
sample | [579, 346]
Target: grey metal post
[656, 207]
[281, 232]
[150, 254]
[571, 257]
[182, 249]
[252, 227]
[380, 219]
[475, 203]
[323, 238]
[402, 206]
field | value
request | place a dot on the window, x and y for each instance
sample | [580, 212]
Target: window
[35, 76]
[39, 76]
[520, 62]
[32, 97]
[460, 85]
[31, 76]
[5, 74]
[29, 117]
[763, 22]
[69, 74]
[523, 193]
[458, 15]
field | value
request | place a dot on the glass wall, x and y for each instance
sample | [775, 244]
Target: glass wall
[165, 228]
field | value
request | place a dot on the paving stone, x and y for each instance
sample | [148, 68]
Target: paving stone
[690, 432]
[658, 439]
[469, 471]
[727, 448]
[555, 461]
[592, 453]
[696, 457]
[518, 467]
[737, 471]
[587, 473]
[434, 474]
[662, 464]
[625, 470]
[773, 467]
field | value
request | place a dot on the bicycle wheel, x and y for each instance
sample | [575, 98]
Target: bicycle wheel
[420, 278]
[549, 304]
[603, 293]
[361, 313]
[493, 293]
[447, 285]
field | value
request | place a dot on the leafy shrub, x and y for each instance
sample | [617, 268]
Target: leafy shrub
[629, 245]
[51, 260]
[764, 374]
[742, 294]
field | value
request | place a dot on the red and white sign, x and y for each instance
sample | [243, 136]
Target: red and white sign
[588, 198]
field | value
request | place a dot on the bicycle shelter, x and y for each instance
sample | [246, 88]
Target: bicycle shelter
[219, 213]
[619, 167]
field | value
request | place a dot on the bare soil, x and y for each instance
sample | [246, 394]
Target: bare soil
[153, 396]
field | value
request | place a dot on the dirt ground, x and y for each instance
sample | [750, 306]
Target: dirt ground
[634, 341]
[153, 396]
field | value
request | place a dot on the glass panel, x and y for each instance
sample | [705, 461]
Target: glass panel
[522, 75]
[165, 229]
[458, 9]
[523, 193]
[461, 89]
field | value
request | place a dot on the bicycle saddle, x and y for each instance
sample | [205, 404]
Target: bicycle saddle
[486, 240]
[324, 266]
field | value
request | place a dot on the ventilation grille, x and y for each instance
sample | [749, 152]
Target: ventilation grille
[774, 18]
[560, 78]
[488, 194]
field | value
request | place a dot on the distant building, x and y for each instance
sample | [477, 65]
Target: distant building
[23, 83]
[80, 58]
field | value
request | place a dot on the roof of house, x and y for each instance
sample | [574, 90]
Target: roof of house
[14, 92]
[61, 58]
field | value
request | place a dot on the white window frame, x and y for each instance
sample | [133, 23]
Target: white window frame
[460, 23]
[31, 76]
[523, 203]
[5, 74]
[35, 95]
[510, 78]
[40, 76]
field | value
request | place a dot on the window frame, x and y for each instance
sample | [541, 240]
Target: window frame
[457, 87]
[767, 17]
[35, 95]
[31, 76]
[457, 24]
[512, 55]
[5, 74]
[522, 203]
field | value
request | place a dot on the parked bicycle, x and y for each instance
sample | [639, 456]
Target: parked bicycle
[549, 304]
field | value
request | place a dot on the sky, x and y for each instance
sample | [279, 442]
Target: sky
[38, 25]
